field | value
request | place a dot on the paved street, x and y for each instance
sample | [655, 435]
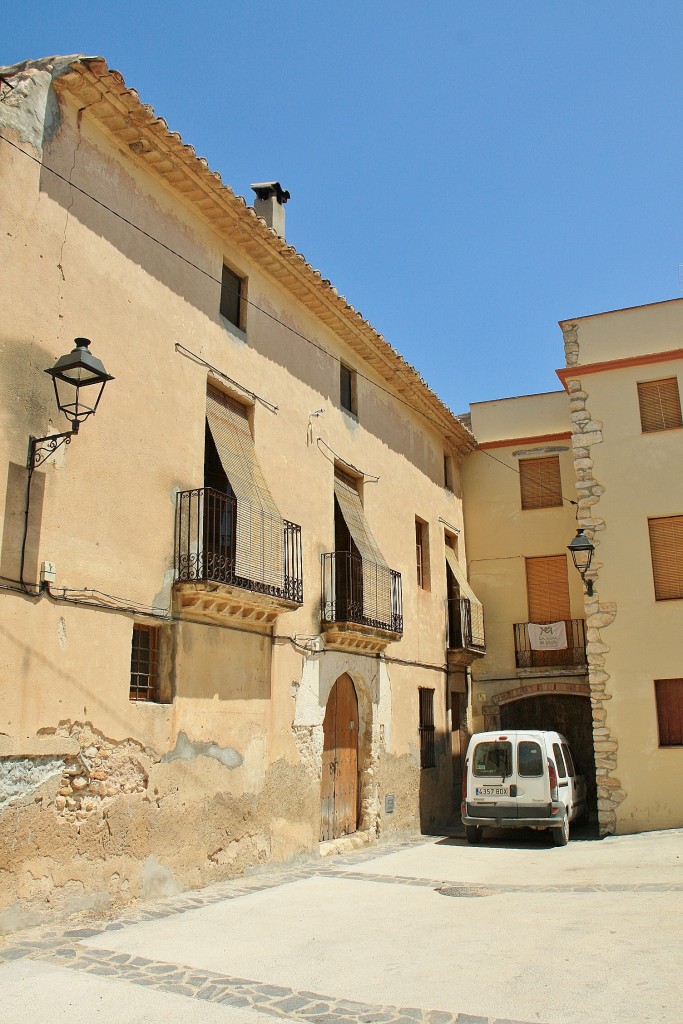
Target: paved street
[424, 930]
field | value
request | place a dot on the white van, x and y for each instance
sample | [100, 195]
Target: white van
[521, 779]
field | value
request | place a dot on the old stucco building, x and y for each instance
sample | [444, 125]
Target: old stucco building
[234, 619]
[605, 456]
[234, 614]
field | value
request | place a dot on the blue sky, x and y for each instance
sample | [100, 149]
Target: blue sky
[466, 173]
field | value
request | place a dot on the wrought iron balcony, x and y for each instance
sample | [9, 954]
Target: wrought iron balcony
[573, 654]
[228, 546]
[466, 640]
[362, 602]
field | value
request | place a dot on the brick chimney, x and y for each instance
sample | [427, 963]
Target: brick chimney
[270, 204]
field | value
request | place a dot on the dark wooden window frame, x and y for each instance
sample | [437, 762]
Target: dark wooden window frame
[669, 702]
[233, 291]
[426, 727]
[422, 554]
[348, 392]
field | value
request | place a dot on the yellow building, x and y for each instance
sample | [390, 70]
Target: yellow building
[519, 518]
[624, 376]
[233, 618]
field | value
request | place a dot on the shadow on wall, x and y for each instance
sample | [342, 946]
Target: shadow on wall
[13, 524]
[200, 288]
[439, 804]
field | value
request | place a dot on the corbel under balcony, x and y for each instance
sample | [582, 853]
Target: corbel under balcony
[221, 604]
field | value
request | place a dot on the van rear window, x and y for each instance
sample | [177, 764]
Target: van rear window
[493, 759]
[529, 758]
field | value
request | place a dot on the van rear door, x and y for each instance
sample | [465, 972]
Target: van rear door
[492, 784]
[533, 785]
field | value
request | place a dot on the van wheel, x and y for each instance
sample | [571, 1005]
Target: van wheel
[473, 833]
[561, 835]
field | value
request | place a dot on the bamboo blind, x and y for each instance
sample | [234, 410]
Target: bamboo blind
[666, 543]
[540, 482]
[259, 549]
[660, 404]
[476, 607]
[376, 581]
[547, 588]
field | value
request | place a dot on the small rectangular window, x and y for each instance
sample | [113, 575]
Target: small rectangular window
[231, 297]
[540, 482]
[144, 664]
[666, 544]
[426, 729]
[660, 405]
[569, 760]
[448, 472]
[347, 389]
[559, 761]
[669, 697]
[493, 759]
[529, 759]
[422, 554]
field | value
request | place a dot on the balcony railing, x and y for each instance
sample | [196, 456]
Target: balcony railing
[465, 631]
[359, 591]
[222, 540]
[573, 654]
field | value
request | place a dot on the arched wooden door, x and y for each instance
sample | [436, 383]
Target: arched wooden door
[339, 787]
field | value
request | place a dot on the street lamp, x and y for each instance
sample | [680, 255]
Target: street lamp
[78, 378]
[582, 549]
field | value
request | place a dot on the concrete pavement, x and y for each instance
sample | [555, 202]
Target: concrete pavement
[419, 931]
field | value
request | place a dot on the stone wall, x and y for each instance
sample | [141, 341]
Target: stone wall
[586, 433]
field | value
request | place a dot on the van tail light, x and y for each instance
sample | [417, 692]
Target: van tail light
[552, 773]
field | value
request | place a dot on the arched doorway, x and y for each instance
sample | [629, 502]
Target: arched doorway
[567, 713]
[339, 785]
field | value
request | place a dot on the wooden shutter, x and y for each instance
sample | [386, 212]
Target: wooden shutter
[669, 696]
[547, 588]
[540, 482]
[666, 543]
[660, 404]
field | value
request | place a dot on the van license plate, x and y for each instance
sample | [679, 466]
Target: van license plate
[492, 791]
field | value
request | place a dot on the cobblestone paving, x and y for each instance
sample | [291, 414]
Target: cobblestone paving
[69, 947]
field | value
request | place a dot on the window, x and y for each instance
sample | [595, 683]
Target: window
[559, 761]
[666, 543]
[231, 296]
[144, 664]
[540, 482]
[448, 472]
[547, 588]
[422, 554]
[669, 697]
[660, 405]
[492, 759]
[347, 389]
[427, 758]
[529, 759]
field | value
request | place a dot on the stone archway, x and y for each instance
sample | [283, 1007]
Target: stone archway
[561, 706]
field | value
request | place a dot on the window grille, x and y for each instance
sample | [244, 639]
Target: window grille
[144, 663]
[426, 728]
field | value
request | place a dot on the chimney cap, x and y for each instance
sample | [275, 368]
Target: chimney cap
[267, 189]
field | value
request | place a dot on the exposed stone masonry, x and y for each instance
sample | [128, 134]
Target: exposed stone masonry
[587, 432]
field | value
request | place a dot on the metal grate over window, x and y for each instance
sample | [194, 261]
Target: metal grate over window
[144, 663]
[426, 728]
